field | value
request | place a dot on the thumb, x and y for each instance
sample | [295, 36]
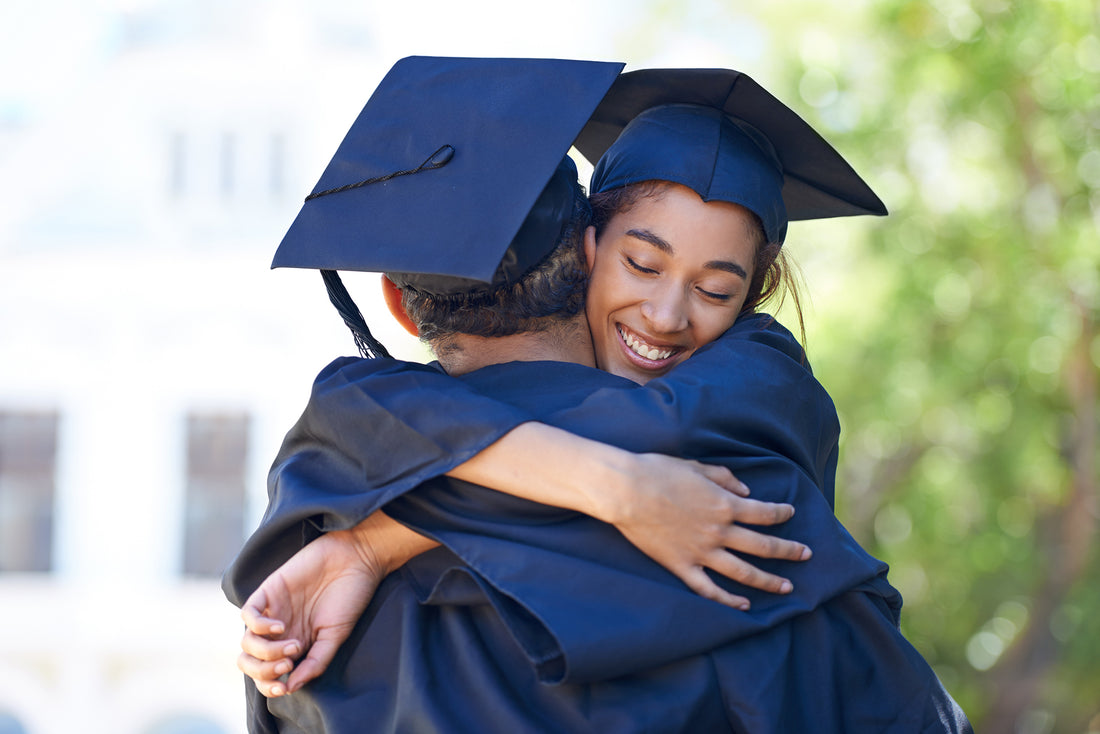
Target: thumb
[316, 662]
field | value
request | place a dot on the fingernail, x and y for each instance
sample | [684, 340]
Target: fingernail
[806, 554]
[277, 690]
[291, 650]
[785, 587]
[277, 628]
[744, 606]
[283, 667]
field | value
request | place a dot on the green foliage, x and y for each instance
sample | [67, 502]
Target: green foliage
[960, 336]
[962, 344]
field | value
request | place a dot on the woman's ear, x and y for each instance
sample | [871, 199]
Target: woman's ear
[392, 294]
[590, 247]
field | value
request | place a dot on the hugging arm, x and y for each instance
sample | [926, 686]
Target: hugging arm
[309, 605]
[349, 454]
[655, 428]
[683, 514]
[422, 423]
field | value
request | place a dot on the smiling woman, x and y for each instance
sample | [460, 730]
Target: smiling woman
[668, 273]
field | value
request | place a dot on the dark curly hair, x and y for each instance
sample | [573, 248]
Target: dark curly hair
[551, 292]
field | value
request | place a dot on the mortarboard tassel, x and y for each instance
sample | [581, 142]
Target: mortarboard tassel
[369, 347]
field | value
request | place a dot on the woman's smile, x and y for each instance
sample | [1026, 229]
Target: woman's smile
[651, 355]
[668, 275]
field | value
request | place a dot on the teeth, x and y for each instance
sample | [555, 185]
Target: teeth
[644, 350]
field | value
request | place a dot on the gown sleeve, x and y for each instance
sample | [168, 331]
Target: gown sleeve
[372, 430]
[753, 383]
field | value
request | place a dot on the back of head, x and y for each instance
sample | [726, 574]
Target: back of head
[551, 293]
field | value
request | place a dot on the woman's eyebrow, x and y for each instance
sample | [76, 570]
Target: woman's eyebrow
[729, 267]
[654, 239]
[664, 246]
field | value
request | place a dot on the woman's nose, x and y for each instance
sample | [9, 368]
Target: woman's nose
[666, 311]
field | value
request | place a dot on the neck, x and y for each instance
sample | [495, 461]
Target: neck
[563, 342]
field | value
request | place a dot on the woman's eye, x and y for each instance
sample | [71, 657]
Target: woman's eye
[715, 296]
[640, 268]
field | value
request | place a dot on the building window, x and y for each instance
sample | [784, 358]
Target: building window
[28, 459]
[10, 725]
[177, 164]
[277, 157]
[228, 164]
[184, 724]
[217, 455]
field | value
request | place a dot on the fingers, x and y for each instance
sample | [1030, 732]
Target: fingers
[765, 546]
[698, 581]
[266, 661]
[725, 479]
[757, 512]
[320, 655]
[269, 650]
[757, 544]
[265, 674]
[743, 572]
[253, 615]
[258, 624]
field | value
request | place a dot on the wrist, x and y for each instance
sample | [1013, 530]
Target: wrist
[607, 485]
[384, 544]
[364, 538]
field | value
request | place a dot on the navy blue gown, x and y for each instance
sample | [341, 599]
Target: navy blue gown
[534, 618]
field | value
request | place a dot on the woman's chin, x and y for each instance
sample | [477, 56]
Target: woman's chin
[640, 370]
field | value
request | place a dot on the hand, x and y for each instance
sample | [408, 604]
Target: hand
[685, 515]
[308, 606]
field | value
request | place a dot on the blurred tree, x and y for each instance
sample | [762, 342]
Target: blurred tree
[961, 342]
[960, 336]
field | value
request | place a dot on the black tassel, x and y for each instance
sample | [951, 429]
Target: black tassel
[369, 347]
[436, 160]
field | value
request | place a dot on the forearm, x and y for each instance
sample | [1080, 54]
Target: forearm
[551, 466]
[411, 421]
[395, 411]
[406, 408]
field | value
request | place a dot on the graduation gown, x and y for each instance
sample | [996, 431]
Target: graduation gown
[533, 618]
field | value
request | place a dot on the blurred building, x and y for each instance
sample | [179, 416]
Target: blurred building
[150, 362]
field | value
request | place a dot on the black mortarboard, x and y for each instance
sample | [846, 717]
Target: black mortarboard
[436, 178]
[723, 135]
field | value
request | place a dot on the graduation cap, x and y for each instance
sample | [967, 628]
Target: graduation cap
[451, 178]
[721, 134]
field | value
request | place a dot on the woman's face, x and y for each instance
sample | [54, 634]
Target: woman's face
[666, 277]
